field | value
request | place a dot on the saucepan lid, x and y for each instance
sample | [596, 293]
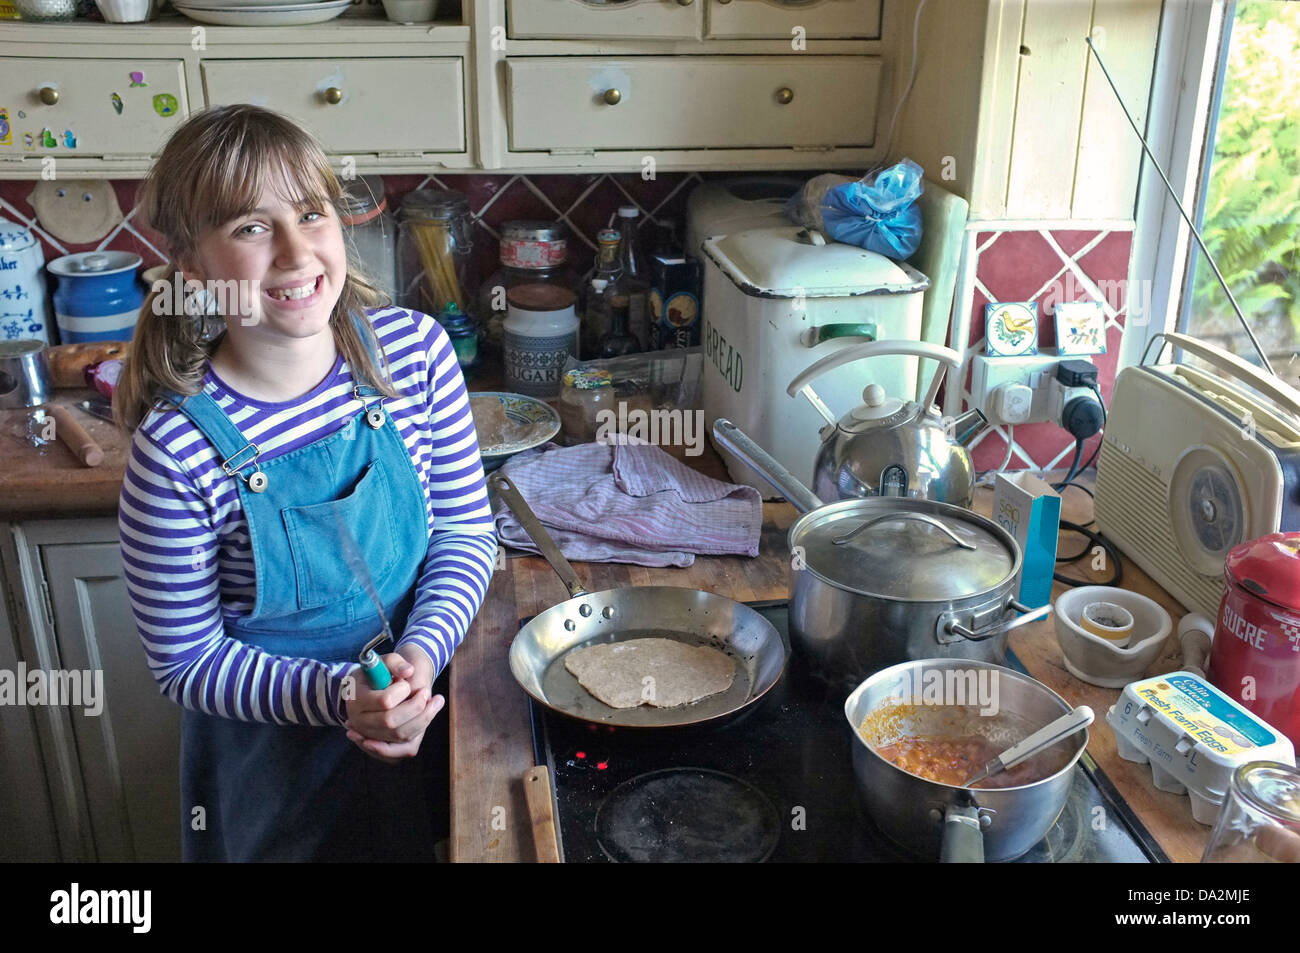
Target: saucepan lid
[907, 550]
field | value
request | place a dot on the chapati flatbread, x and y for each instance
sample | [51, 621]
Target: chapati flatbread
[658, 672]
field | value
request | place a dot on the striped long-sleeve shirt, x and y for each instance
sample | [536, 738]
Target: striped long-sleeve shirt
[186, 549]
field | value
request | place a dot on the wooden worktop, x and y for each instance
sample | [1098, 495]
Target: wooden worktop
[491, 746]
[49, 481]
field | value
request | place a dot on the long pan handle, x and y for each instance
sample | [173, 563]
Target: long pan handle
[541, 816]
[742, 445]
[533, 527]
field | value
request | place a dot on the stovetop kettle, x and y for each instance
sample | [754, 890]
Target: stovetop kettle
[891, 447]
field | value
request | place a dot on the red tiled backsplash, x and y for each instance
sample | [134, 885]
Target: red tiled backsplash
[1048, 266]
[585, 202]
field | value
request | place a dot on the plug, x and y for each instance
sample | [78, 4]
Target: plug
[1011, 403]
[1082, 415]
[1076, 373]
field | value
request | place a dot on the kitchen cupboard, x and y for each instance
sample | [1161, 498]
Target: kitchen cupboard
[83, 784]
[705, 84]
[1011, 111]
[381, 96]
[1008, 109]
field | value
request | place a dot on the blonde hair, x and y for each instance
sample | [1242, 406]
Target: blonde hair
[213, 169]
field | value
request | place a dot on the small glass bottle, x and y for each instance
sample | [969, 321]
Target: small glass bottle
[633, 284]
[433, 251]
[464, 338]
[371, 232]
[595, 314]
[619, 340]
[531, 252]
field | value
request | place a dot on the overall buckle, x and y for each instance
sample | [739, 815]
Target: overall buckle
[257, 481]
[374, 409]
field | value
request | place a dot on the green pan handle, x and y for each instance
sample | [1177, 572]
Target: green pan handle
[377, 673]
[813, 336]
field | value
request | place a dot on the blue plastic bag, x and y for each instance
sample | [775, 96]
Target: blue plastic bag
[879, 214]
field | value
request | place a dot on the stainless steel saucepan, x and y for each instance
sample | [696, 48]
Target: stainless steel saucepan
[882, 580]
[617, 615]
[934, 820]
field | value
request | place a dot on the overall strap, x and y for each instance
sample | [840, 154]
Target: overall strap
[218, 428]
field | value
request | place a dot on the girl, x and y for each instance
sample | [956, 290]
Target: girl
[315, 429]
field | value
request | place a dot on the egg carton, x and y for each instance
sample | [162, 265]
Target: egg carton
[1193, 736]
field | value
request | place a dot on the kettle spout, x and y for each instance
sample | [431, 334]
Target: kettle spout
[966, 427]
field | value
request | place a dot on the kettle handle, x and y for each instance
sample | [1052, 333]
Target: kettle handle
[858, 352]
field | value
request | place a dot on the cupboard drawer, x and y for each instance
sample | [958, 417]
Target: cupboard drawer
[85, 118]
[692, 102]
[620, 19]
[777, 19]
[403, 105]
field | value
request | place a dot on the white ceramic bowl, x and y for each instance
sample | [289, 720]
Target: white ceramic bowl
[1094, 660]
[411, 11]
[126, 11]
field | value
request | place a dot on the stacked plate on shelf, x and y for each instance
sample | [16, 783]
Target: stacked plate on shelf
[261, 12]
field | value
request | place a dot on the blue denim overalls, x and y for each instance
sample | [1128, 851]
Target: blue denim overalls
[289, 792]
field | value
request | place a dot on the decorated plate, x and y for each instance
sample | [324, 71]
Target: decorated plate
[538, 419]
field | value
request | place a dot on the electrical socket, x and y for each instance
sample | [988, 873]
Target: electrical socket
[1036, 371]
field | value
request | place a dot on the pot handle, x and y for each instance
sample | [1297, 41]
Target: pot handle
[918, 517]
[533, 527]
[963, 840]
[1001, 627]
[734, 439]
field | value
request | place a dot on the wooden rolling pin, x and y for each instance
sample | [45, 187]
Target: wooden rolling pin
[74, 436]
[537, 792]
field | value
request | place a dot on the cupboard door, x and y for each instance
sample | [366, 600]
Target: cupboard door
[604, 19]
[128, 752]
[783, 19]
[85, 107]
[656, 102]
[354, 105]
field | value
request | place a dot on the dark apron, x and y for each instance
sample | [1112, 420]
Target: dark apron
[290, 792]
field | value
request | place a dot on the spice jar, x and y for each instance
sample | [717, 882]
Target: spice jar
[541, 334]
[532, 252]
[433, 251]
[371, 231]
[586, 392]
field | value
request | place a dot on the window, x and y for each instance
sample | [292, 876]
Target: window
[1248, 208]
[1224, 123]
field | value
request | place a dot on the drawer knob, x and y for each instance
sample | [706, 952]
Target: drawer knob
[724, 1]
[49, 95]
[687, 3]
[333, 95]
[613, 97]
[784, 95]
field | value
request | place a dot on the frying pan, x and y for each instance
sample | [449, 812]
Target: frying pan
[616, 615]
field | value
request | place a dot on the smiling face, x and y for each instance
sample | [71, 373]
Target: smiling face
[287, 259]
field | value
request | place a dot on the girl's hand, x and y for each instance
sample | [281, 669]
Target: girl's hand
[389, 724]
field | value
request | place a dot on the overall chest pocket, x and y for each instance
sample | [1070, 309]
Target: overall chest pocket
[319, 560]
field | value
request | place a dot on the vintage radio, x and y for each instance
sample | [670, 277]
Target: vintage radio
[1193, 463]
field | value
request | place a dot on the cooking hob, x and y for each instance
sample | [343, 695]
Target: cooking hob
[777, 785]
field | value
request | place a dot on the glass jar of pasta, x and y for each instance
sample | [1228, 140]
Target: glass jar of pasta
[433, 251]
